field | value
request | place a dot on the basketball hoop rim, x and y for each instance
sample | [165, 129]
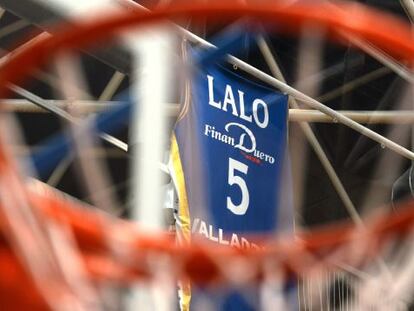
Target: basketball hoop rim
[352, 18]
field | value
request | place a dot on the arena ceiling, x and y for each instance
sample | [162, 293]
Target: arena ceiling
[347, 79]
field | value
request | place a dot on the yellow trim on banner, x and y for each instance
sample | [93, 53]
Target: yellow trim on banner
[183, 209]
[184, 221]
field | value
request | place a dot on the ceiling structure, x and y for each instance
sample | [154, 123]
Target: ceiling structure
[361, 172]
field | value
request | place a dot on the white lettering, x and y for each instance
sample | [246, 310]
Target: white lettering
[250, 134]
[203, 229]
[210, 131]
[217, 235]
[245, 244]
[262, 121]
[211, 101]
[234, 241]
[221, 238]
[229, 99]
[246, 141]
[211, 234]
[263, 124]
[195, 224]
[242, 109]
[207, 129]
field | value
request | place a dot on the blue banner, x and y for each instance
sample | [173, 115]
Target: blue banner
[230, 151]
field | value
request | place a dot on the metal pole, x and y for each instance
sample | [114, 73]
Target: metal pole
[311, 102]
[153, 73]
[295, 115]
[63, 114]
[311, 137]
[338, 117]
[262, 76]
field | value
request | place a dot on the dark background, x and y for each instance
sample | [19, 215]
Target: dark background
[355, 157]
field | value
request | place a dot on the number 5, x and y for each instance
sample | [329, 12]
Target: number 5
[240, 209]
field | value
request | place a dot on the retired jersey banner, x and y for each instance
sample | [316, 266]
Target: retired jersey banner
[229, 159]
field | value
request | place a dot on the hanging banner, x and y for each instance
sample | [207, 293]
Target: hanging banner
[229, 160]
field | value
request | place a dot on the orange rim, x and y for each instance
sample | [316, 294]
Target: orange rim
[88, 227]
